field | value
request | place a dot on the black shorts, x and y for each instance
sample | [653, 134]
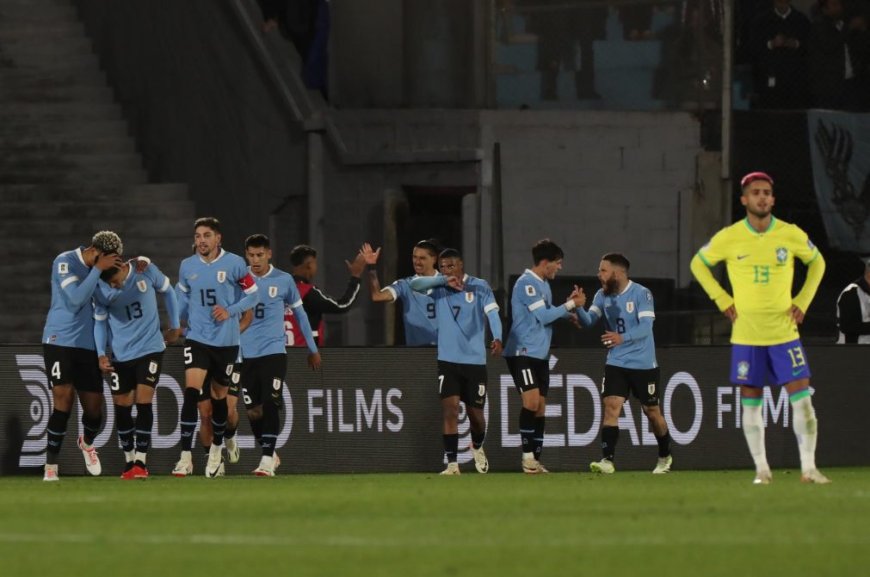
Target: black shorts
[217, 361]
[467, 381]
[530, 373]
[643, 384]
[73, 366]
[142, 371]
[234, 387]
[263, 379]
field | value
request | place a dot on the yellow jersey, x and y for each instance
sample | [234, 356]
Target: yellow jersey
[761, 270]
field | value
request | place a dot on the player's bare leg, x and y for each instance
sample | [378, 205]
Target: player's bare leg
[609, 435]
[663, 438]
[450, 412]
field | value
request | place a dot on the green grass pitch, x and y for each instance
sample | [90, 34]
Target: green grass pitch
[713, 523]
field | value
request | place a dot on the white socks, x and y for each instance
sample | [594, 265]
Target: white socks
[753, 430]
[806, 431]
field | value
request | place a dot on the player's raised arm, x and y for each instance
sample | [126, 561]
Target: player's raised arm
[589, 317]
[421, 284]
[79, 291]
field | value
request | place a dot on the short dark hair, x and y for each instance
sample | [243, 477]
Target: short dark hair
[430, 245]
[257, 241]
[300, 253]
[107, 274]
[450, 253]
[208, 221]
[546, 249]
[618, 259]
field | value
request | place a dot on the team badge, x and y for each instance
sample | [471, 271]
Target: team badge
[743, 370]
[229, 369]
[273, 291]
[781, 255]
[142, 286]
[221, 277]
[469, 297]
[629, 307]
[235, 378]
[152, 367]
[651, 389]
[481, 390]
[62, 268]
[276, 384]
[530, 290]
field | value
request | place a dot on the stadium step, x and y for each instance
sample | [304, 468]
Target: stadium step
[40, 160]
[98, 211]
[94, 145]
[158, 193]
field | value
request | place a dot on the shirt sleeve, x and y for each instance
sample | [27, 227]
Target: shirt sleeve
[77, 291]
[490, 308]
[398, 289]
[101, 334]
[709, 256]
[645, 315]
[294, 301]
[317, 300]
[589, 317]
[248, 286]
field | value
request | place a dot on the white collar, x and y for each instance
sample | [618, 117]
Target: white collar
[217, 258]
[81, 256]
[531, 272]
[268, 272]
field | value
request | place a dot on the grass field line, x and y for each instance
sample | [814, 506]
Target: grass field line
[349, 541]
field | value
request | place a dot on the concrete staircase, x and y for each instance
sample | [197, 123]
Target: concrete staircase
[68, 166]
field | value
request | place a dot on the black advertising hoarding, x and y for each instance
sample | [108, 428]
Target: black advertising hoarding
[377, 410]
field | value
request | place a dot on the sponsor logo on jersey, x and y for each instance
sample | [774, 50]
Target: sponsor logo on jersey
[273, 291]
[469, 297]
[62, 268]
[142, 286]
[221, 277]
[629, 307]
[743, 370]
[530, 290]
[781, 255]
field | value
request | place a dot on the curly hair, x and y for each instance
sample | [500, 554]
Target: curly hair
[108, 242]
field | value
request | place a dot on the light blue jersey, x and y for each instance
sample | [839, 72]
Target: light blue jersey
[418, 313]
[460, 314]
[631, 314]
[131, 314]
[225, 281]
[70, 321]
[265, 335]
[533, 316]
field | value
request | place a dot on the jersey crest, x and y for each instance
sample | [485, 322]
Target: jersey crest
[142, 286]
[469, 297]
[152, 367]
[742, 370]
[62, 268]
[273, 291]
[530, 290]
[221, 275]
[629, 307]
[781, 255]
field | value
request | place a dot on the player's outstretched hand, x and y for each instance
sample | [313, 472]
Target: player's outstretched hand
[106, 364]
[219, 313]
[314, 361]
[369, 255]
[496, 348]
[731, 313]
[578, 296]
[107, 261]
[797, 314]
[358, 265]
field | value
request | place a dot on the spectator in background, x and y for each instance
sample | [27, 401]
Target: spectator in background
[306, 24]
[777, 50]
[853, 310]
[838, 58]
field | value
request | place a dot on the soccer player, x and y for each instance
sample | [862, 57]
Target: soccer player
[461, 303]
[759, 253]
[418, 310]
[126, 308]
[628, 312]
[527, 348]
[69, 349]
[216, 288]
[303, 258]
[264, 364]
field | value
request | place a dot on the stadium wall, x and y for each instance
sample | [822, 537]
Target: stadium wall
[377, 410]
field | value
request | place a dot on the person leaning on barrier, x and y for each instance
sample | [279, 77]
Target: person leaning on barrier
[853, 310]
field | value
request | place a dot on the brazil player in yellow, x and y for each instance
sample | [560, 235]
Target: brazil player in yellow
[759, 253]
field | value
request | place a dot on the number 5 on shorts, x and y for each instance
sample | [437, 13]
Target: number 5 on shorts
[188, 356]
